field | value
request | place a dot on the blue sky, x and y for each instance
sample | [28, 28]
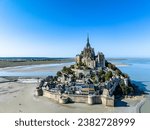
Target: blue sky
[58, 28]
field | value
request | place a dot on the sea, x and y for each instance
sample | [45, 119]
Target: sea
[138, 70]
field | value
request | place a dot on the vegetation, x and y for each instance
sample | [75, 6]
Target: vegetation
[102, 76]
[118, 72]
[108, 75]
[112, 66]
[93, 76]
[122, 89]
[72, 66]
[100, 73]
[59, 74]
[82, 66]
[115, 69]
[67, 70]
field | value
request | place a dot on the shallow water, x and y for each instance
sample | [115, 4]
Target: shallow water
[33, 70]
[139, 72]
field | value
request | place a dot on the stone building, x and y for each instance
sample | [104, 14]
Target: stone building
[88, 57]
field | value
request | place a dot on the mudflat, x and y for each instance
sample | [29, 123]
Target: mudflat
[18, 97]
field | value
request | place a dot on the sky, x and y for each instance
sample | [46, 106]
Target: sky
[59, 28]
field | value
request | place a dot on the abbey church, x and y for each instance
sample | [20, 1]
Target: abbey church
[88, 57]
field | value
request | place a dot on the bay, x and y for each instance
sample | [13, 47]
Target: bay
[138, 70]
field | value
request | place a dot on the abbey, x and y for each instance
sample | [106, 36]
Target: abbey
[88, 57]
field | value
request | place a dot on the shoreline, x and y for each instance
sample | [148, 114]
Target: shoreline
[140, 105]
[146, 105]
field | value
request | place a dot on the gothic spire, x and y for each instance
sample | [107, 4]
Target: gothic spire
[88, 43]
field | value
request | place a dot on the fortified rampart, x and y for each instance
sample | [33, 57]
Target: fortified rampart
[68, 98]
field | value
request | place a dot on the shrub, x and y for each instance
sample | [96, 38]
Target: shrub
[59, 74]
[108, 75]
[118, 72]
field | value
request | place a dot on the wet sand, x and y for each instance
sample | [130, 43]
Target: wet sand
[19, 97]
[145, 108]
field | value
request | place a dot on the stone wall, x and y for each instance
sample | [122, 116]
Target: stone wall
[79, 98]
[51, 95]
[94, 99]
[107, 101]
[88, 99]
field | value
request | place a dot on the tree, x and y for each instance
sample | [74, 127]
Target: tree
[59, 74]
[108, 75]
[112, 66]
[117, 72]
[126, 90]
[72, 66]
[109, 65]
[64, 69]
[100, 73]
[67, 70]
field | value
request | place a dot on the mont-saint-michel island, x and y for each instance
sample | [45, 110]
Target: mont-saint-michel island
[91, 80]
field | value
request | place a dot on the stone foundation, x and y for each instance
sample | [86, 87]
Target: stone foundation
[94, 99]
[108, 101]
[51, 95]
[88, 99]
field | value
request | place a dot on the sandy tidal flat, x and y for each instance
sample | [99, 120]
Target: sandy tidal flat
[19, 97]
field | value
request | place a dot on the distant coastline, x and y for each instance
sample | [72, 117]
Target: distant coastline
[22, 61]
